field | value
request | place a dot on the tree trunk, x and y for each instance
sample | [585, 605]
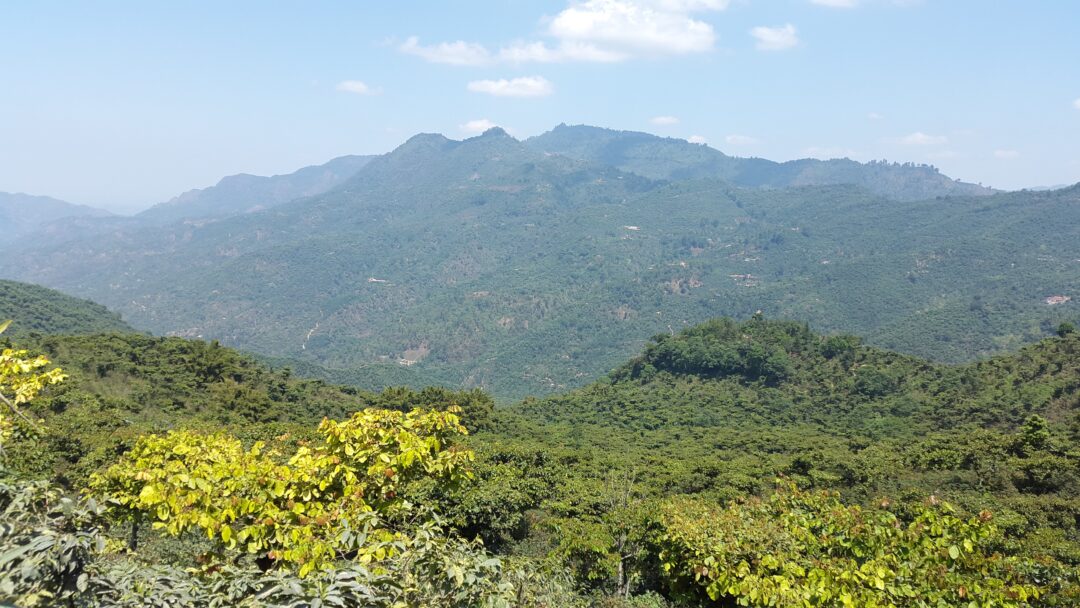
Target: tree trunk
[133, 539]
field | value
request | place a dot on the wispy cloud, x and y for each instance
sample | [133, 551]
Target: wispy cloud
[601, 31]
[357, 87]
[874, 116]
[919, 138]
[477, 126]
[1076, 104]
[528, 86]
[1006, 154]
[697, 139]
[775, 38]
[664, 121]
[740, 140]
[450, 53]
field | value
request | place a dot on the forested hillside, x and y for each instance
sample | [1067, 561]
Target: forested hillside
[492, 263]
[830, 472]
[678, 160]
[35, 309]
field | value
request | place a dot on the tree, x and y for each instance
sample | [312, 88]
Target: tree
[809, 549]
[20, 382]
[308, 509]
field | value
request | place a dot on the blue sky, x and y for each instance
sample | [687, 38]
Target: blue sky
[125, 104]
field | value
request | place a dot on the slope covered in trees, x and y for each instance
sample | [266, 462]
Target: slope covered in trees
[721, 410]
[678, 160]
[655, 487]
[37, 309]
[490, 262]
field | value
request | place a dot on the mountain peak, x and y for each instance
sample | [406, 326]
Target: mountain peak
[495, 132]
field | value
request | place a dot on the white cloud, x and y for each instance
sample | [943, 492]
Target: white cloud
[697, 139]
[1006, 154]
[1076, 104]
[450, 53]
[827, 152]
[874, 116]
[740, 140]
[664, 121]
[600, 31]
[540, 52]
[836, 3]
[636, 28]
[528, 86]
[919, 138]
[775, 38]
[477, 126]
[357, 87]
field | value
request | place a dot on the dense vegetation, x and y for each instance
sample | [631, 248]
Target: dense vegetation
[498, 264]
[677, 160]
[752, 463]
[36, 309]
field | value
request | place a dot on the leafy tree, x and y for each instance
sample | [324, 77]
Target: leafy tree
[308, 509]
[809, 549]
[21, 379]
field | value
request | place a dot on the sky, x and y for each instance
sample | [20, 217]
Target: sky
[122, 105]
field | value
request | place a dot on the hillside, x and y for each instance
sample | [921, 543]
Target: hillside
[676, 159]
[734, 430]
[724, 408]
[490, 263]
[125, 385]
[246, 193]
[23, 216]
[35, 309]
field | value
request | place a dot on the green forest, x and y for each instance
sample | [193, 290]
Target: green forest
[744, 462]
[533, 267]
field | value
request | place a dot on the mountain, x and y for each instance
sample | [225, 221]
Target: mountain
[40, 310]
[246, 193]
[676, 159]
[491, 262]
[23, 216]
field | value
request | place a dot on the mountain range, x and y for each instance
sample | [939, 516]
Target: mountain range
[526, 267]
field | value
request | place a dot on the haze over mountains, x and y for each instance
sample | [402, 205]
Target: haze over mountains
[245, 193]
[529, 266]
[24, 216]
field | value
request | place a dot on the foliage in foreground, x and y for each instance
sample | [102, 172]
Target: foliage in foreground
[52, 552]
[809, 549]
[307, 509]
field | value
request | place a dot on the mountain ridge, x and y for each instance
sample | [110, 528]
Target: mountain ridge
[491, 262]
[638, 152]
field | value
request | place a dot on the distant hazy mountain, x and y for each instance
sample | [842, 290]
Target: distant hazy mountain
[676, 159]
[246, 193]
[23, 216]
[497, 263]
